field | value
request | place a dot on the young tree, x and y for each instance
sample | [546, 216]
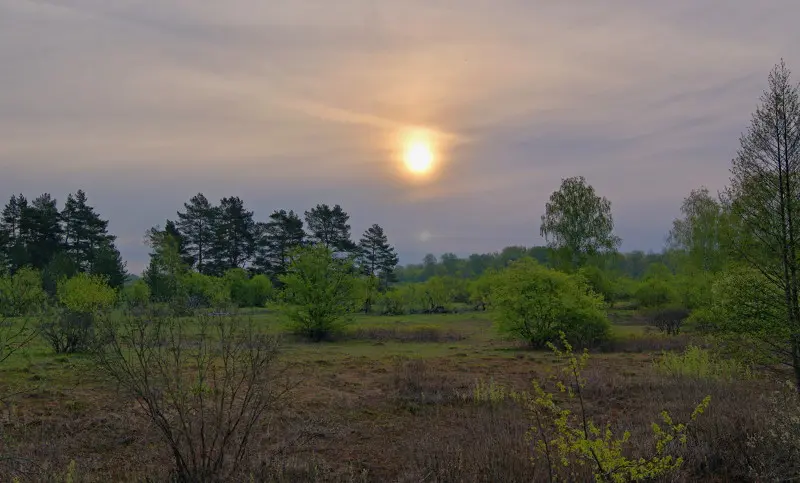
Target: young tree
[329, 227]
[700, 233]
[166, 267]
[234, 244]
[764, 199]
[319, 292]
[577, 223]
[376, 257]
[276, 240]
[197, 226]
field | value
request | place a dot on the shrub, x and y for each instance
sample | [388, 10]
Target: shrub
[669, 320]
[599, 282]
[21, 293]
[655, 293]
[561, 435]
[534, 303]
[319, 294]
[204, 291]
[702, 364]
[136, 295]
[208, 385]
[84, 299]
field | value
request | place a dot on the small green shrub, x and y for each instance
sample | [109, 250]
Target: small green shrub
[21, 293]
[701, 363]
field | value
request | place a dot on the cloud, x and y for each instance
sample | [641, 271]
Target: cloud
[288, 104]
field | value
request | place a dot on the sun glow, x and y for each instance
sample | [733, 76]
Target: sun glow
[418, 157]
[418, 153]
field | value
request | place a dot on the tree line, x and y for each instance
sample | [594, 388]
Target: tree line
[58, 243]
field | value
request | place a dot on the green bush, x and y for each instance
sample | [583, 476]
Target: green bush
[534, 303]
[701, 363]
[599, 282]
[22, 293]
[83, 299]
[204, 290]
[136, 295]
[655, 293]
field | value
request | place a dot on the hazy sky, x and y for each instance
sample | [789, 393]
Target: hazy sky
[289, 103]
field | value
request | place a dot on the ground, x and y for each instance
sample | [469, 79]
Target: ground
[391, 402]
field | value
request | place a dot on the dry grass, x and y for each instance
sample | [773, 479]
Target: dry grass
[389, 415]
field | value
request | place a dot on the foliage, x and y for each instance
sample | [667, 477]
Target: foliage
[86, 294]
[22, 293]
[136, 295]
[577, 223]
[329, 227]
[276, 239]
[701, 234]
[376, 257]
[563, 438]
[319, 292]
[701, 363]
[197, 227]
[764, 202]
[246, 291]
[480, 290]
[599, 282]
[233, 245]
[208, 384]
[205, 290]
[84, 299]
[656, 293]
[534, 303]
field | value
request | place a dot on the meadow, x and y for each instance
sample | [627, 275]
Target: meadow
[400, 398]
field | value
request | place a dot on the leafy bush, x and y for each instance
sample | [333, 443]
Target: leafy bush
[84, 299]
[599, 282]
[203, 291]
[136, 295]
[319, 293]
[702, 364]
[534, 303]
[244, 291]
[21, 293]
[655, 293]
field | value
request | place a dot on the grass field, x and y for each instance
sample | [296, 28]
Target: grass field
[389, 401]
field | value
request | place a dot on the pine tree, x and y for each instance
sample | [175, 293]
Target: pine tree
[172, 230]
[329, 227]
[107, 262]
[85, 234]
[41, 231]
[276, 239]
[376, 257]
[16, 254]
[197, 226]
[235, 234]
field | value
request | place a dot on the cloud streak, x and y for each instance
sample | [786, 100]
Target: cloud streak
[287, 104]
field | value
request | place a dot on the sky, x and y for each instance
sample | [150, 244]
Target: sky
[290, 103]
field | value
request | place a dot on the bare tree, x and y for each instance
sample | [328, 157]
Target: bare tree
[207, 384]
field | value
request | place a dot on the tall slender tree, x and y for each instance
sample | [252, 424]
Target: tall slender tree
[329, 227]
[700, 234]
[764, 199]
[278, 238]
[234, 242]
[11, 224]
[376, 257]
[197, 225]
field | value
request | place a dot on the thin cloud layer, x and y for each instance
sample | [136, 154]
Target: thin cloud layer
[288, 104]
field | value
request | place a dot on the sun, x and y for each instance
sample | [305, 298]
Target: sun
[418, 157]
